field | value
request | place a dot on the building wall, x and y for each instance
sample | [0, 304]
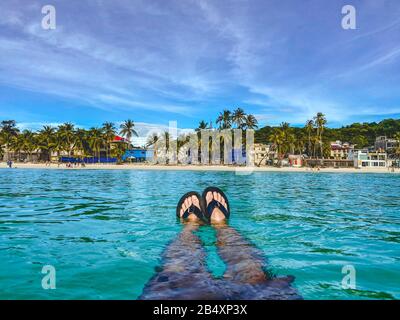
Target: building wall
[261, 152]
[370, 159]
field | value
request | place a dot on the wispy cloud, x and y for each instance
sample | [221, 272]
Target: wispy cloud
[185, 60]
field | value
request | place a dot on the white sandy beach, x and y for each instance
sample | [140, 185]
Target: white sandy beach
[240, 170]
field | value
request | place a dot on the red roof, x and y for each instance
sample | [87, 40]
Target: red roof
[118, 138]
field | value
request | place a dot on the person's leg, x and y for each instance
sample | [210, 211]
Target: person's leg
[183, 274]
[244, 277]
[244, 262]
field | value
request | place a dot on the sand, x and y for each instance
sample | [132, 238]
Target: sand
[238, 170]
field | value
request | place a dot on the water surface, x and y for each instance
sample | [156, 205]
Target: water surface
[104, 231]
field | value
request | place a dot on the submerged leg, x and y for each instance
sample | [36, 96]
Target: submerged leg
[244, 261]
[245, 277]
[183, 274]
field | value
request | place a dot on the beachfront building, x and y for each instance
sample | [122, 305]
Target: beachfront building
[341, 151]
[367, 159]
[296, 160]
[21, 155]
[138, 155]
[329, 163]
[385, 144]
[261, 153]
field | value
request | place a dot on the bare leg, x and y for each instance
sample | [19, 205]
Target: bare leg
[244, 262]
[245, 277]
[183, 274]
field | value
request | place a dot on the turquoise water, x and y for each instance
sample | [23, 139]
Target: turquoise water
[104, 231]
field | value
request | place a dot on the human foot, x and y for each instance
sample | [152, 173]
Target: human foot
[189, 207]
[217, 205]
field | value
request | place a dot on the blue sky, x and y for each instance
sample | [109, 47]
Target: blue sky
[185, 60]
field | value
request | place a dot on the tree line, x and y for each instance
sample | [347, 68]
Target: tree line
[65, 138]
[314, 137]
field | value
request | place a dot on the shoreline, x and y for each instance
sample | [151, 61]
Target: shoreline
[221, 168]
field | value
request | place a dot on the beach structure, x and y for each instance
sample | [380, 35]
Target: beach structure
[261, 153]
[138, 155]
[21, 156]
[329, 163]
[296, 160]
[385, 144]
[340, 151]
[365, 159]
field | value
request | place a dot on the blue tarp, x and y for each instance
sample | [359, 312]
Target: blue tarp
[138, 154]
[88, 160]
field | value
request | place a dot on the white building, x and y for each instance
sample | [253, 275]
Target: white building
[366, 159]
[385, 144]
[261, 153]
[340, 151]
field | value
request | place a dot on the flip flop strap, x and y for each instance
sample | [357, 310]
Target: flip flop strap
[216, 204]
[192, 210]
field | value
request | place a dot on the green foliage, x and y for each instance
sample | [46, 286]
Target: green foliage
[64, 138]
[361, 134]
[234, 119]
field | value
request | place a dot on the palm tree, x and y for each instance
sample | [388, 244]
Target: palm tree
[30, 143]
[202, 126]
[17, 145]
[128, 130]
[165, 142]
[109, 135]
[96, 141]
[239, 118]
[152, 141]
[299, 144]
[46, 140]
[288, 139]
[58, 143]
[81, 142]
[309, 130]
[277, 139]
[320, 122]
[224, 120]
[66, 132]
[8, 130]
[251, 122]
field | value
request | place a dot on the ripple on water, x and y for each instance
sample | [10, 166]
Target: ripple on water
[105, 231]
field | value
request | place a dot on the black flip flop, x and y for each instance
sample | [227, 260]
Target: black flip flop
[214, 203]
[192, 209]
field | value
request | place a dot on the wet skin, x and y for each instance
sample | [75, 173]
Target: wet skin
[183, 274]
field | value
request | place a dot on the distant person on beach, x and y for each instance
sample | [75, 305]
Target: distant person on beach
[9, 163]
[184, 275]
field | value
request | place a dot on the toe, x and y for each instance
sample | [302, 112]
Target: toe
[223, 202]
[209, 197]
[187, 205]
[189, 201]
[215, 195]
[195, 201]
